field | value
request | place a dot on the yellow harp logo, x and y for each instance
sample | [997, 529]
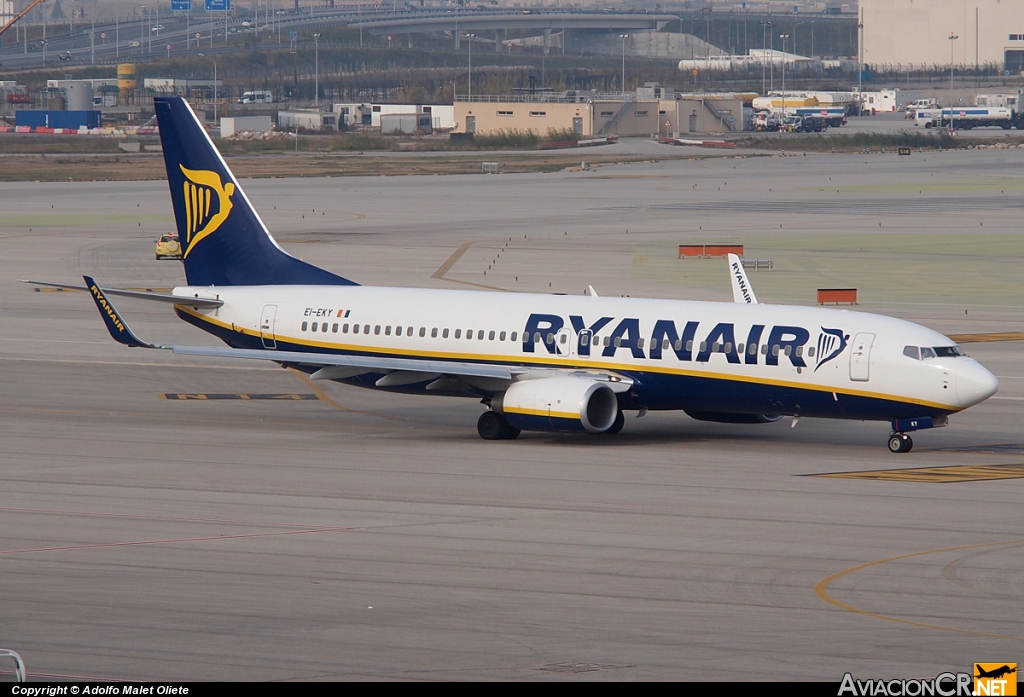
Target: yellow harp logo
[203, 214]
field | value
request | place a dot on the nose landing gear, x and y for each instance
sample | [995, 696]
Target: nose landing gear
[900, 443]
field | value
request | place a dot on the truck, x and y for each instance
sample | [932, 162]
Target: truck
[257, 97]
[970, 117]
[917, 104]
[1013, 102]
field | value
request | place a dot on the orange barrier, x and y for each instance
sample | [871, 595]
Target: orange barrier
[837, 295]
[706, 251]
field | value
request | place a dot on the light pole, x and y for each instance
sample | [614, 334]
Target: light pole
[860, 69]
[952, 38]
[771, 65]
[764, 65]
[783, 37]
[812, 39]
[623, 37]
[469, 79]
[214, 88]
[794, 35]
[316, 71]
[142, 23]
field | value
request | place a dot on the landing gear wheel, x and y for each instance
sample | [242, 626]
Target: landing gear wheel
[900, 443]
[620, 421]
[493, 426]
[490, 426]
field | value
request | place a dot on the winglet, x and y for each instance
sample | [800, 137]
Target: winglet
[742, 292]
[593, 293]
[117, 327]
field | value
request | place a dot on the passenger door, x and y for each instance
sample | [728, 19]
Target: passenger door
[860, 357]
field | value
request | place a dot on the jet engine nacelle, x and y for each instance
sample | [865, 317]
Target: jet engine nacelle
[558, 404]
[730, 418]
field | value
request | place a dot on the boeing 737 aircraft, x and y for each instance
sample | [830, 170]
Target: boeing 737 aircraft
[537, 362]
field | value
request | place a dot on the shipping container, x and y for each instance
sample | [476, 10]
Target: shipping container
[57, 119]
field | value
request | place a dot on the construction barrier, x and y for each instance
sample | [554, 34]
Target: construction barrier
[837, 295]
[706, 251]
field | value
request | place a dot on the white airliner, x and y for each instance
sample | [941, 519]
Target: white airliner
[537, 362]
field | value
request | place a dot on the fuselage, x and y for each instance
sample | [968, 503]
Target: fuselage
[697, 356]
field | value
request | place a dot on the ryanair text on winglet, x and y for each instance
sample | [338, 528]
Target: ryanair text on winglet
[942, 685]
[106, 306]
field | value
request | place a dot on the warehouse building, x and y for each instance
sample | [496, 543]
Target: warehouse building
[916, 35]
[649, 110]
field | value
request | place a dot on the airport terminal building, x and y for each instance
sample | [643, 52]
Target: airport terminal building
[917, 33]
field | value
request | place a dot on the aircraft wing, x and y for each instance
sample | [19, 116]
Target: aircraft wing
[376, 363]
[742, 291]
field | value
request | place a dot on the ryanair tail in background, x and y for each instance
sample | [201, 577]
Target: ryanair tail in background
[224, 241]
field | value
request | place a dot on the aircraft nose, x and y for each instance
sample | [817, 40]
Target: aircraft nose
[974, 383]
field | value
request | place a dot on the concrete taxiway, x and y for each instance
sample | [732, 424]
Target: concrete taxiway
[175, 518]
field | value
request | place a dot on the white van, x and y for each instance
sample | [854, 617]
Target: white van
[257, 97]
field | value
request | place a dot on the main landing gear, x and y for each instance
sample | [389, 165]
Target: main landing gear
[493, 426]
[900, 443]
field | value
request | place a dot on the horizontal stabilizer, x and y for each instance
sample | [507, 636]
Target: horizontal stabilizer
[141, 294]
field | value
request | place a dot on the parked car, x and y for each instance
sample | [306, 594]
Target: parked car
[168, 247]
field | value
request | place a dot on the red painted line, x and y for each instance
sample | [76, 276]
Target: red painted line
[173, 541]
[132, 516]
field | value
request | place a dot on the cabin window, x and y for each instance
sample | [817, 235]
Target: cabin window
[810, 351]
[703, 346]
[536, 337]
[344, 329]
[366, 329]
[799, 350]
[314, 326]
[458, 333]
[387, 330]
[608, 341]
[585, 340]
[490, 336]
[764, 350]
[640, 342]
[689, 345]
[715, 347]
[513, 337]
[444, 334]
[728, 347]
[334, 328]
[549, 339]
[469, 334]
[501, 337]
[775, 350]
[618, 341]
[323, 327]
[398, 331]
[305, 325]
[480, 335]
[927, 353]
[376, 330]
[355, 328]
[423, 332]
[433, 333]
[678, 345]
[752, 349]
[788, 350]
[562, 339]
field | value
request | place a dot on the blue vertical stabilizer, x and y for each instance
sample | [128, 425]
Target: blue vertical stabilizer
[224, 241]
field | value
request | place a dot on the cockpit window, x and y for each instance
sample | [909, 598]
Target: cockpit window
[924, 352]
